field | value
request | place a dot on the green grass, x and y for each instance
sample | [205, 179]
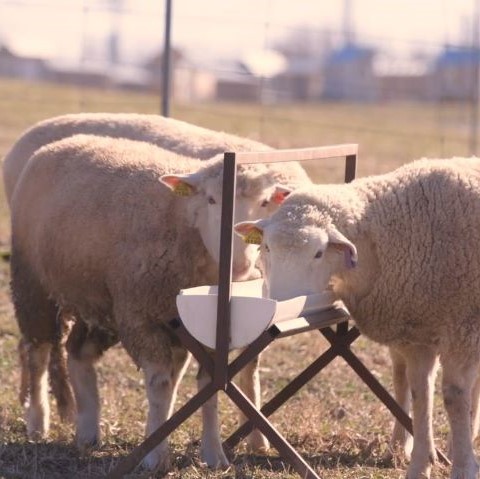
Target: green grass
[335, 422]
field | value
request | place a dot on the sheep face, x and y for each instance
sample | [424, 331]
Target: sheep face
[204, 196]
[300, 260]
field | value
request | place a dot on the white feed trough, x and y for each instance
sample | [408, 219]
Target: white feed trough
[250, 315]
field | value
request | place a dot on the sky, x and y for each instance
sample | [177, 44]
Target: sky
[68, 29]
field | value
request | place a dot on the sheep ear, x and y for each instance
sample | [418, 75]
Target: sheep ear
[341, 243]
[279, 194]
[181, 185]
[250, 231]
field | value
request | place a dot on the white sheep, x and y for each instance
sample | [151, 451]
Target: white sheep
[408, 271]
[96, 232]
[174, 135]
[400, 437]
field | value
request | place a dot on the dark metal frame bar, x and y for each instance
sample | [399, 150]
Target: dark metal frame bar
[217, 365]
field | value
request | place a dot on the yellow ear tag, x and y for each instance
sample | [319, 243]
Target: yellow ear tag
[254, 236]
[183, 189]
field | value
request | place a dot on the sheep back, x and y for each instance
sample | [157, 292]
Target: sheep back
[417, 232]
[175, 135]
[105, 238]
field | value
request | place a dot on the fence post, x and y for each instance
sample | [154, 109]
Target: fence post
[167, 64]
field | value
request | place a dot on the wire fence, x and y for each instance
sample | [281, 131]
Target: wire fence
[100, 36]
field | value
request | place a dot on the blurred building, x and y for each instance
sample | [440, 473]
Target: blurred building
[236, 83]
[190, 82]
[403, 79]
[251, 77]
[302, 79]
[18, 66]
[454, 75]
[89, 74]
[349, 74]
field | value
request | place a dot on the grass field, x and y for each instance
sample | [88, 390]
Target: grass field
[335, 422]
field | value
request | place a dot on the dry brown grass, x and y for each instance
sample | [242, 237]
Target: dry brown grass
[335, 422]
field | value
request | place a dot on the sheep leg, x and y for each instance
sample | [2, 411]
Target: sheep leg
[38, 412]
[161, 380]
[181, 360]
[401, 438]
[475, 413]
[459, 375]
[36, 317]
[211, 450]
[84, 348]
[58, 373]
[249, 381]
[24, 373]
[421, 371]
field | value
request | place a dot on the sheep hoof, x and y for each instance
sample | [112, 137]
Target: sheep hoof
[397, 455]
[157, 460]
[36, 436]
[257, 442]
[215, 459]
[418, 472]
[401, 444]
[85, 444]
[37, 427]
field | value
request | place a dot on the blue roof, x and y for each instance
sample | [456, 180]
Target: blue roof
[457, 57]
[304, 65]
[350, 53]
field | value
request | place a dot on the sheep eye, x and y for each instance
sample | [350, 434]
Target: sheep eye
[265, 203]
[318, 254]
[211, 200]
